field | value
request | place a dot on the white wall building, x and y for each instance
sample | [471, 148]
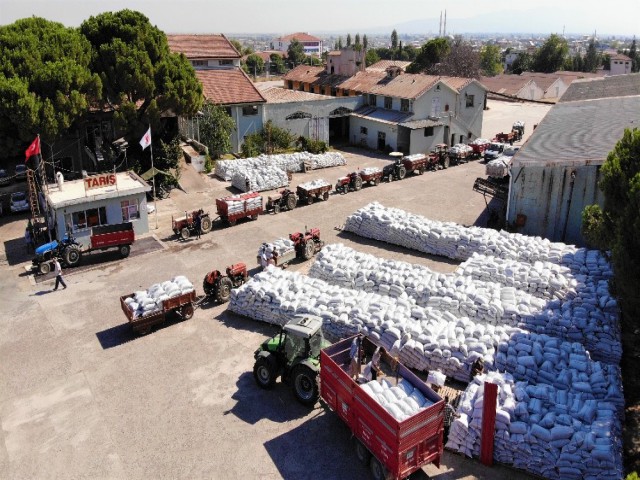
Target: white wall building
[620, 64]
[312, 45]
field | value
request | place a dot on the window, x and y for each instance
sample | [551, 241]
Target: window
[446, 107]
[372, 100]
[404, 105]
[470, 99]
[228, 110]
[364, 131]
[225, 62]
[428, 131]
[388, 103]
[130, 210]
[290, 83]
[249, 110]
[199, 63]
[86, 218]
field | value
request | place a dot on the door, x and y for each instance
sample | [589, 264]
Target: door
[445, 138]
[382, 140]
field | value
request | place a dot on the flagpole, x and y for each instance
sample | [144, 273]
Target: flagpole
[155, 207]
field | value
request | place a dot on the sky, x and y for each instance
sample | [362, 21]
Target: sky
[611, 17]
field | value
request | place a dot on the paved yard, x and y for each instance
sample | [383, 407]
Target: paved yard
[82, 397]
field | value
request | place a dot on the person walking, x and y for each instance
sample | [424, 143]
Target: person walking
[198, 225]
[59, 279]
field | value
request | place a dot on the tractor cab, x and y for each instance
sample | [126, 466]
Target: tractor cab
[294, 355]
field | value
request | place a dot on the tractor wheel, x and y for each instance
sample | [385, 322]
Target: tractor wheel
[309, 250]
[378, 472]
[276, 208]
[292, 200]
[357, 183]
[325, 196]
[362, 452]
[264, 371]
[446, 162]
[305, 385]
[309, 199]
[402, 172]
[232, 223]
[376, 182]
[224, 290]
[72, 255]
[205, 225]
[186, 311]
[44, 267]
[254, 216]
[185, 233]
[124, 250]
[142, 331]
[421, 170]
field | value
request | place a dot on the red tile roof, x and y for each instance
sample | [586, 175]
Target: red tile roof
[620, 56]
[505, 84]
[202, 46]
[382, 65]
[315, 76]
[282, 95]
[300, 36]
[266, 55]
[405, 85]
[228, 87]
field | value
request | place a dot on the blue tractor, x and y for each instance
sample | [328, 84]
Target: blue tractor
[68, 250]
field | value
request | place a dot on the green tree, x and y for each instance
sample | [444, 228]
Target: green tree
[394, 40]
[237, 45]
[461, 61]
[45, 82]
[591, 60]
[295, 53]
[550, 56]
[371, 57]
[616, 227]
[167, 158]
[365, 41]
[430, 54]
[524, 63]
[633, 55]
[141, 78]
[339, 43]
[348, 39]
[254, 64]
[490, 60]
[278, 61]
[216, 127]
[357, 42]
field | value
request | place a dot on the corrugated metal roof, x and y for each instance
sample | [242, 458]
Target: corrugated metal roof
[603, 87]
[579, 132]
[282, 95]
[202, 46]
[418, 124]
[228, 86]
[381, 115]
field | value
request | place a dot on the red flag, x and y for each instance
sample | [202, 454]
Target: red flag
[145, 141]
[34, 149]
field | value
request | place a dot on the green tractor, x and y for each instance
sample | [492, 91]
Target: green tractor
[293, 354]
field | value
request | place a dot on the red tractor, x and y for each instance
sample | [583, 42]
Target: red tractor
[307, 244]
[439, 156]
[218, 286]
[185, 226]
[351, 181]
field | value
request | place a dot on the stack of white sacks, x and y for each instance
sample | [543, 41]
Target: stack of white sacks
[482, 301]
[370, 170]
[146, 302]
[480, 141]
[401, 401]
[313, 184]
[461, 149]
[555, 433]
[287, 162]
[591, 317]
[281, 246]
[237, 204]
[259, 179]
[498, 168]
[423, 338]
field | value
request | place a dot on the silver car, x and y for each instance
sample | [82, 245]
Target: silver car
[19, 202]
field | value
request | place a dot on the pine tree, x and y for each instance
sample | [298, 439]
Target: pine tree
[339, 43]
[394, 39]
[365, 42]
[357, 41]
[633, 54]
[348, 39]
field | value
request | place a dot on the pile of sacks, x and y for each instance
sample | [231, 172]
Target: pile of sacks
[279, 247]
[481, 301]
[422, 338]
[480, 141]
[558, 434]
[460, 149]
[370, 170]
[498, 168]
[542, 359]
[313, 184]
[540, 279]
[401, 401]
[287, 162]
[242, 203]
[259, 179]
[146, 302]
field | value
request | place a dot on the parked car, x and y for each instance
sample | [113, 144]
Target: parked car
[19, 202]
[510, 151]
[493, 151]
[5, 178]
[21, 171]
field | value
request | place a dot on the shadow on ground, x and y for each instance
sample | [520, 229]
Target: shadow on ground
[120, 334]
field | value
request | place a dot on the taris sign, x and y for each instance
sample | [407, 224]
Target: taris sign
[100, 181]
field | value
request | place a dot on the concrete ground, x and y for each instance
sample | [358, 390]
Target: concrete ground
[82, 397]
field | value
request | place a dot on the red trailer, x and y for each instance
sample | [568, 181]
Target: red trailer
[392, 448]
[183, 305]
[233, 208]
[478, 147]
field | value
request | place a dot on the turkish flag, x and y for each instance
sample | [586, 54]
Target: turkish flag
[145, 141]
[34, 149]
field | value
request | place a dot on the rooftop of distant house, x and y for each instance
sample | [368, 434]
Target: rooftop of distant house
[275, 94]
[228, 87]
[202, 46]
[299, 36]
[382, 65]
